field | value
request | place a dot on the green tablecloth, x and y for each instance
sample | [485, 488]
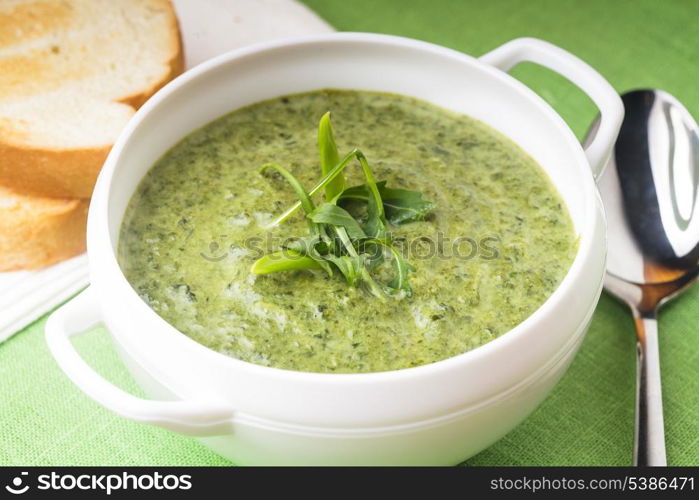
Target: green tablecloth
[588, 419]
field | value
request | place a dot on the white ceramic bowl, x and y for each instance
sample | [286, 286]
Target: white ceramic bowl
[439, 413]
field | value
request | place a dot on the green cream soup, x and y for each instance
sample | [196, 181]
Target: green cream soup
[496, 244]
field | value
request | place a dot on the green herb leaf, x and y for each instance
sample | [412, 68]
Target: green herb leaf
[304, 198]
[286, 260]
[336, 170]
[375, 224]
[401, 268]
[400, 205]
[329, 157]
[327, 213]
[314, 247]
[349, 267]
[307, 245]
[403, 205]
[339, 243]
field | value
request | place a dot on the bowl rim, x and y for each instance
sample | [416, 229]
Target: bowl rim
[102, 256]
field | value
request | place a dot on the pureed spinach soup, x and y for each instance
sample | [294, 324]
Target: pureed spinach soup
[439, 236]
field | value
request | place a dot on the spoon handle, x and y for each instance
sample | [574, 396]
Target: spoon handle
[649, 445]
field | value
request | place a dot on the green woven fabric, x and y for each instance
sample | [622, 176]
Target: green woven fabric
[588, 419]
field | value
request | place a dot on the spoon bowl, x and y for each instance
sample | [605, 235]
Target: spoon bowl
[650, 191]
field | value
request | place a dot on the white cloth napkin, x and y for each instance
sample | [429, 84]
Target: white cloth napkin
[209, 28]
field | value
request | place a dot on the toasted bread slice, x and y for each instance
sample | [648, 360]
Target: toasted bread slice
[37, 232]
[72, 72]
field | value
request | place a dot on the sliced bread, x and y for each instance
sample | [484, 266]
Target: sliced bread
[72, 72]
[37, 232]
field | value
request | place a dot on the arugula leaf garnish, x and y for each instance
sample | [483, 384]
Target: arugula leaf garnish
[376, 222]
[339, 242]
[322, 183]
[286, 260]
[401, 268]
[400, 205]
[329, 157]
[328, 213]
[306, 201]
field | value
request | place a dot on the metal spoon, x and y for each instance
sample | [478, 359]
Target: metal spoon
[650, 191]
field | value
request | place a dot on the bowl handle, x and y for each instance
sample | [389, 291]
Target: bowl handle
[579, 73]
[193, 417]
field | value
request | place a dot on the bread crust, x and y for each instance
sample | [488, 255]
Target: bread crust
[72, 172]
[38, 232]
[69, 173]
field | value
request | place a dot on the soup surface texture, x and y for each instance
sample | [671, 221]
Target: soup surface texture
[497, 243]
